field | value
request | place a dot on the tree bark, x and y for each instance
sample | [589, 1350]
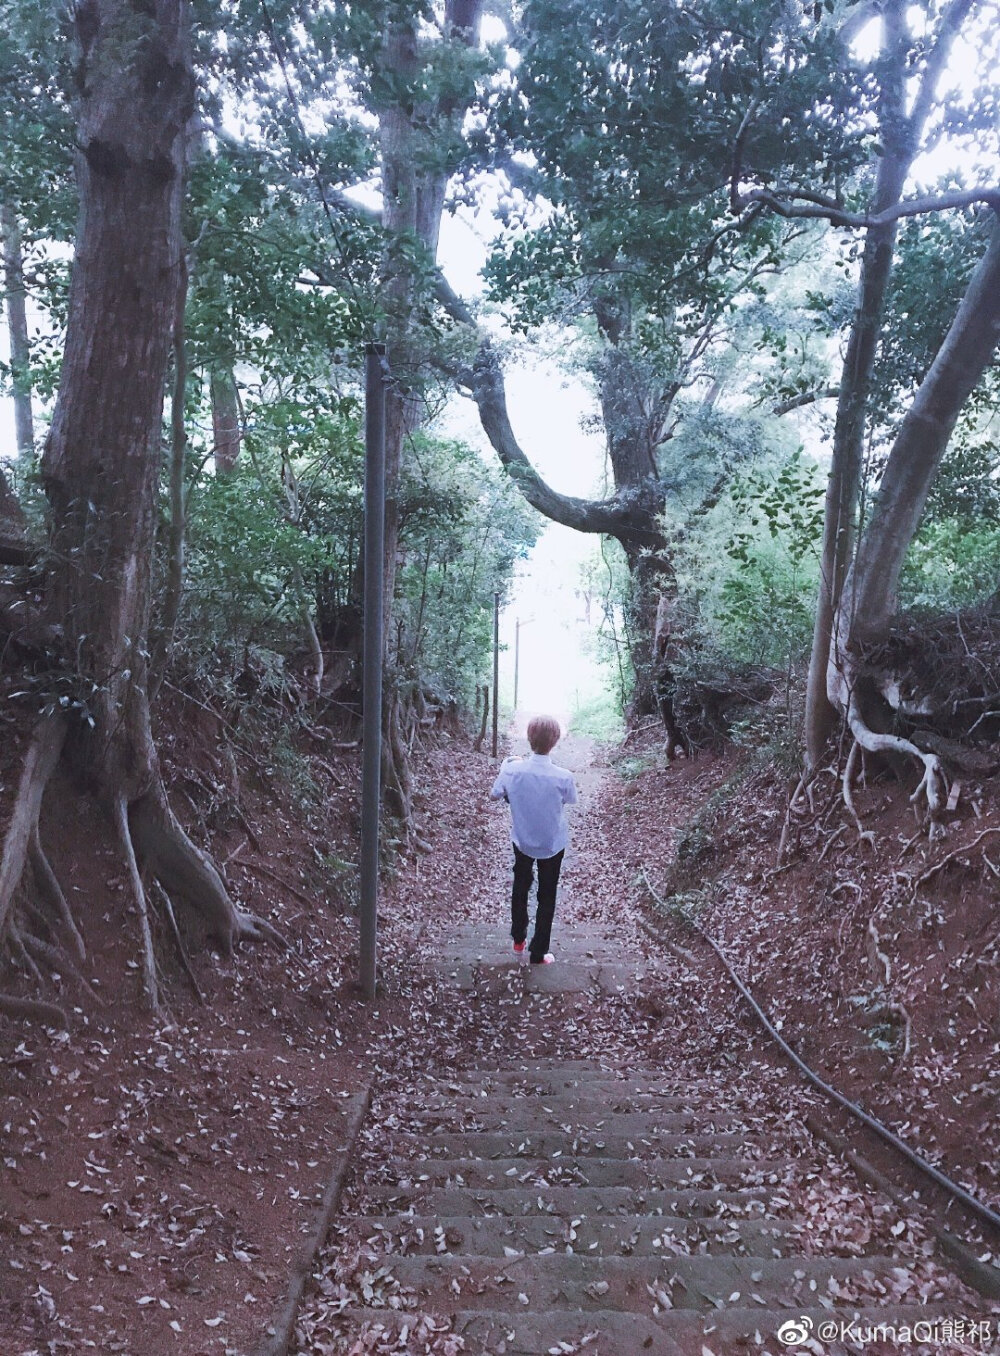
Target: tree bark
[968, 349]
[900, 133]
[415, 176]
[226, 432]
[17, 328]
[101, 463]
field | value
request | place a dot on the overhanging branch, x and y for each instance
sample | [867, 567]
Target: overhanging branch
[801, 203]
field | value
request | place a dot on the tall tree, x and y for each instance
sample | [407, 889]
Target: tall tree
[422, 88]
[907, 72]
[101, 462]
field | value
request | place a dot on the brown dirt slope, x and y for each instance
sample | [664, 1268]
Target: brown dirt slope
[158, 1179]
[877, 957]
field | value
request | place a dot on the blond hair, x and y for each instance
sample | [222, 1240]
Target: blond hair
[543, 734]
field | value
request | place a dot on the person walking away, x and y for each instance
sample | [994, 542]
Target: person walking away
[538, 792]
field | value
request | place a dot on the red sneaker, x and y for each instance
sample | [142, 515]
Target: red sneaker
[519, 948]
[547, 959]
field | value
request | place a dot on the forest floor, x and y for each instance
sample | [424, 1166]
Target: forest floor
[159, 1180]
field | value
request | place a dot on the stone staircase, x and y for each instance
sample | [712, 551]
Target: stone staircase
[554, 1206]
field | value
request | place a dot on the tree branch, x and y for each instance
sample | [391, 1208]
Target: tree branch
[623, 516]
[801, 203]
[806, 398]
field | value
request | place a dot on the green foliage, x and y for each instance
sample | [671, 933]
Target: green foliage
[279, 538]
[599, 719]
[952, 563]
[463, 525]
[759, 603]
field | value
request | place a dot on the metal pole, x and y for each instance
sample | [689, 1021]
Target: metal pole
[372, 657]
[496, 666]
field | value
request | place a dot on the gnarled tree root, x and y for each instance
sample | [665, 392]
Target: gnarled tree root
[188, 876]
[933, 786]
[32, 1009]
[152, 842]
[150, 984]
[850, 770]
[168, 908]
[52, 894]
[40, 763]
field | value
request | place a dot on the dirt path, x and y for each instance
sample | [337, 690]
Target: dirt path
[579, 1157]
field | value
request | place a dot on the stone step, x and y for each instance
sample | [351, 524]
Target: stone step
[509, 980]
[557, 1082]
[573, 1170]
[631, 1235]
[525, 1116]
[508, 1333]
[582, 1281]
[549, 1146]
[676, 1333]
[498, 1105]
[572, 1201]
[877, 1326]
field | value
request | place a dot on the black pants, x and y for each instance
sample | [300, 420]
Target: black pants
[548, 879]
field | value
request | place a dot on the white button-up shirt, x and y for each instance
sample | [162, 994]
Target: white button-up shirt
[538, 792]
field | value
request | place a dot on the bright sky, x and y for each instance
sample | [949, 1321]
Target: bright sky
[556, 670]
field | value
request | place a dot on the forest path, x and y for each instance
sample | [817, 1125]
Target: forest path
[550, 1166]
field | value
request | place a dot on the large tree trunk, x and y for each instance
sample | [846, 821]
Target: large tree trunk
[101, 462]
[868, 598]
[415, 176]
[900, 134]
[17, 328]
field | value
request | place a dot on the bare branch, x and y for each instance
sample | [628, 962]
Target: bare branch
[801, 203]
[805, 398]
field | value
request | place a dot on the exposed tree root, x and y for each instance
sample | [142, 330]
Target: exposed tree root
[168, 909]
[152, 843]
[250, 928]
[850, 767]
[830, 841]
[32, 1009]
[792, 811]
[52, 894]
[933, 786]
[150, 984]
[57, 958]
[186, 874]
[950, 857]
[40, 763]
[17, 946]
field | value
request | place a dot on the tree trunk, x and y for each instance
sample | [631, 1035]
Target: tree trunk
[226, 433]
[967, 351]
[868, 598]
[17, 327]
[901, 136]
[101, 463]
[412, 205]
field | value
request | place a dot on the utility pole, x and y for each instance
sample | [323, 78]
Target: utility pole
[496, 666]
[375, 368]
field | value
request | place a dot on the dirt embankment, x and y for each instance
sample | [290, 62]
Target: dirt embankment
[877, 957]
[158, 1179]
